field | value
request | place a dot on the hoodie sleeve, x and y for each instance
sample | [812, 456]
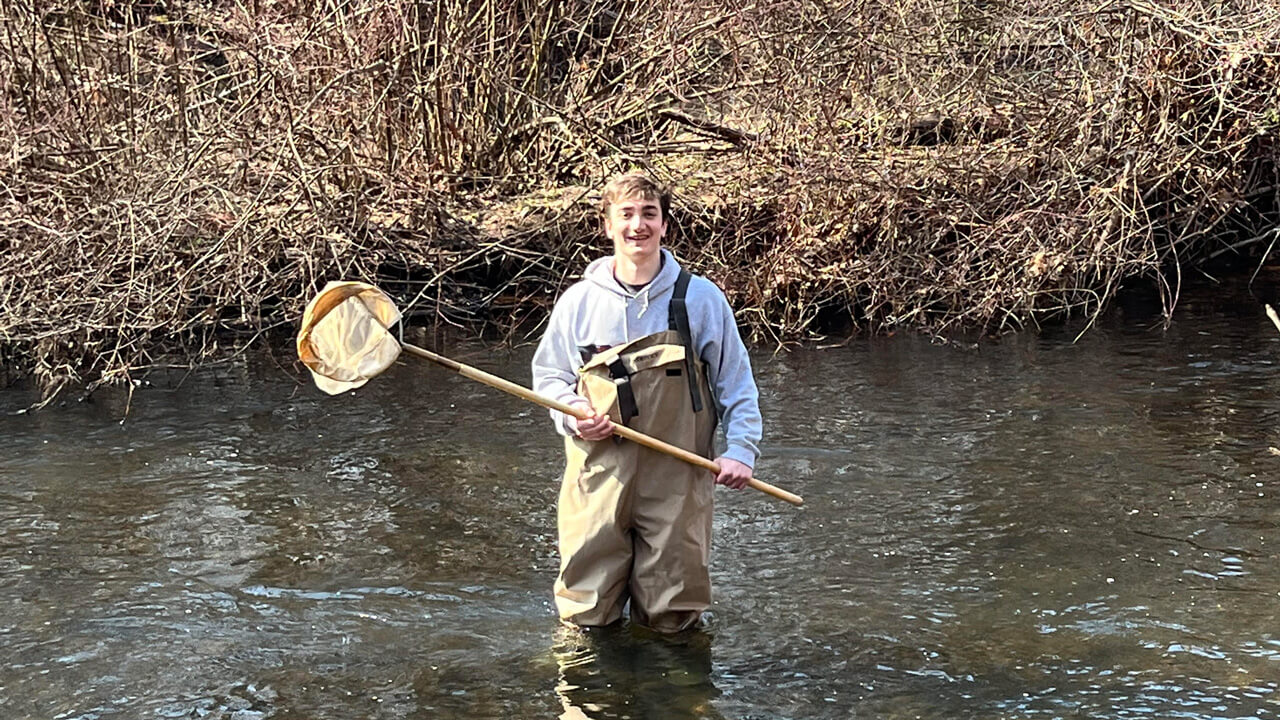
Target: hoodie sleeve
[729, 371]
[556, 360]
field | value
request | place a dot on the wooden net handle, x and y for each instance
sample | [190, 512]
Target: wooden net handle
[620, 430]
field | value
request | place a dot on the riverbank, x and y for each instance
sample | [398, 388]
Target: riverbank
[180, 181]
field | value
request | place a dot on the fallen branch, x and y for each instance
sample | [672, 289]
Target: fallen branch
[738, 138]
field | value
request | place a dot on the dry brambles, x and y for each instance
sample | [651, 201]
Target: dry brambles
[179, 174]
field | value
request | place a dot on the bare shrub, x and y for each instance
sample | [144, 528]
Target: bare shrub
[178, 178]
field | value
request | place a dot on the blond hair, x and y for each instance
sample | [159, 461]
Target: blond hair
[631, 185]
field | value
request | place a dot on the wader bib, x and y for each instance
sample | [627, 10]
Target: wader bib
[635, 524]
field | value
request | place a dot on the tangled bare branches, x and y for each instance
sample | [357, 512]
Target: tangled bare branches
[984, 164]
[179, 174]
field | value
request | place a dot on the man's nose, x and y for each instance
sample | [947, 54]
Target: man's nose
[636, 222]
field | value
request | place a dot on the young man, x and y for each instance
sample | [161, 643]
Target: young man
[642, 342]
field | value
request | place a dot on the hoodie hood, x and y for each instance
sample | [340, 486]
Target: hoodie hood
[599, 274]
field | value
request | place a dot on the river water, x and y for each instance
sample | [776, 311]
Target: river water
[1033, 527]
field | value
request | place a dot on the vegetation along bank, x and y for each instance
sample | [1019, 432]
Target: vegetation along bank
[180, 178]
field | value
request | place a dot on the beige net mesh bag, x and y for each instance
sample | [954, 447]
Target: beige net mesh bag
[345, 340]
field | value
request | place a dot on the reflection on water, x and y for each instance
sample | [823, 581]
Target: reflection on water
[628, 672]
[1032, 528]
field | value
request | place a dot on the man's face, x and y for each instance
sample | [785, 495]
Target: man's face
[636, 227]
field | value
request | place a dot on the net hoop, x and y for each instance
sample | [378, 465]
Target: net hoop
[345, 338]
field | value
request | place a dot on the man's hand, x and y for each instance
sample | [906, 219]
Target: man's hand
[732, 473]
[596, 427]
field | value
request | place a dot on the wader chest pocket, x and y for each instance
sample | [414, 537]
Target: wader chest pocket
[629, 379]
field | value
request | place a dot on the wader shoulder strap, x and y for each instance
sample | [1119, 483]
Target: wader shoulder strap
[626, 396]
[678, 320]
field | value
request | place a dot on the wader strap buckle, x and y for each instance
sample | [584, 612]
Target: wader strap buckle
[678, 320]
[626, 397]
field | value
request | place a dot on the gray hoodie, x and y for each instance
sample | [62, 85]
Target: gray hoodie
[597, 310]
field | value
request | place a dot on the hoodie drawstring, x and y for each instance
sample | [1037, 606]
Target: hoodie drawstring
[626, 328]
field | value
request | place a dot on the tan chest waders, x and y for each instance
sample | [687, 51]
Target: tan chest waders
[635, 524]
